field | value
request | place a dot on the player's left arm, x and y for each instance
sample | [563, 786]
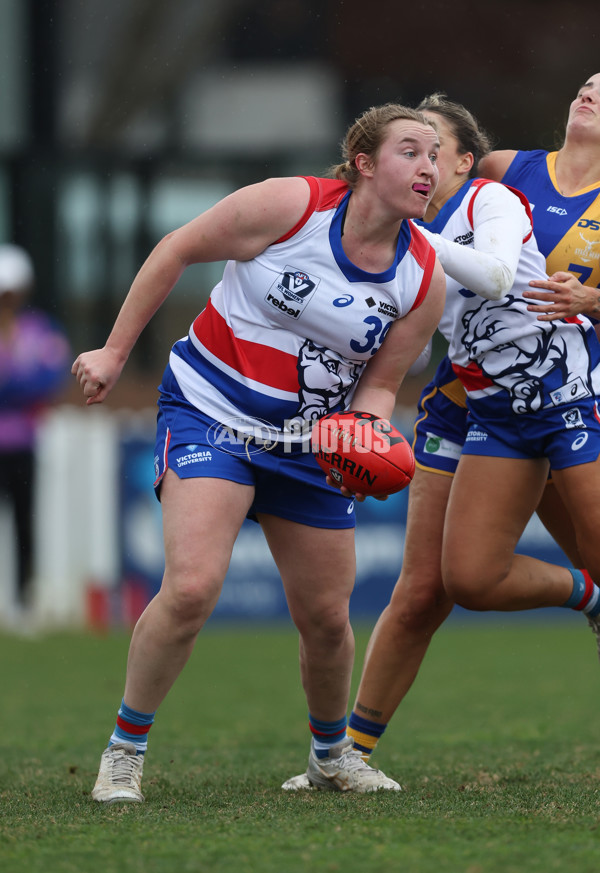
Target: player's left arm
[405, 340]
[500, 224]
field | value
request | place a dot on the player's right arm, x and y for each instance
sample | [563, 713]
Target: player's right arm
[238, 227]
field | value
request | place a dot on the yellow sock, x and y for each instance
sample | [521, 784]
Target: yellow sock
[365, 733]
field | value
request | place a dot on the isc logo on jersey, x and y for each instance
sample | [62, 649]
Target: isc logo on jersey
[292, 291]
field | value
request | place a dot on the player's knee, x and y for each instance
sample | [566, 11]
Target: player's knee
[190, 601]
[419, 609]
[466, 586]
[328, 625]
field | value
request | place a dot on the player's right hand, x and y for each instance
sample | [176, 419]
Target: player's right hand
[97, 371]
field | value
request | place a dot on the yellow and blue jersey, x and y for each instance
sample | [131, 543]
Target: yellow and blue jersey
[567, 228]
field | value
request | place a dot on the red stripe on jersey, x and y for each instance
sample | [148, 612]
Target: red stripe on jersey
[424, 254]
[479, 183]
[472, 377]
[324, 194]
[254, 360]
[128, 727]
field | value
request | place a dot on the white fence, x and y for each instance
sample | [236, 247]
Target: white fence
[98, 542]
[75, 518]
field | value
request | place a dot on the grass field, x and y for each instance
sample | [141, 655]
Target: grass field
[496, 747]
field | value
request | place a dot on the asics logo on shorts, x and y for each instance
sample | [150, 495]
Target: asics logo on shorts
[580, 441]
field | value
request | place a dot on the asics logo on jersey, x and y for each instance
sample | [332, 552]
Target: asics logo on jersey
[557, 210]
[347, 299]
[574, 390]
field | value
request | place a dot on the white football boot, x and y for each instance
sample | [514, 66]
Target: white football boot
[594, 623]
[298, 783]
[120, 775]
[343, 770]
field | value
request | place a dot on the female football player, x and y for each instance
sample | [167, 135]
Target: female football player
[558, 183]
[328, 296]
[564, 187]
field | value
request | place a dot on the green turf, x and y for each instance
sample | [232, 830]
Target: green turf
[496, 747]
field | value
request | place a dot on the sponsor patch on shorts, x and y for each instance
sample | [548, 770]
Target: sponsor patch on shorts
[436, 445]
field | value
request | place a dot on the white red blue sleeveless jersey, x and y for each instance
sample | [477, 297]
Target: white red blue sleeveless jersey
[497, 345]
[286, 335]
[567, 228]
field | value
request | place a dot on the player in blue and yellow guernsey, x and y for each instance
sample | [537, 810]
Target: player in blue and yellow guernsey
[563, 188]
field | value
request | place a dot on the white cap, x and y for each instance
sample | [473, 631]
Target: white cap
[16, 268]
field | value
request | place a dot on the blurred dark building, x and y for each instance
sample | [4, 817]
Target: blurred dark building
[121, 119]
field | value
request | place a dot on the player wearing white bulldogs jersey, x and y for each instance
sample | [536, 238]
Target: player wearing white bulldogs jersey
[467, 509]
[496, 344]
[567, 231]
[286, 335]
[328, 296]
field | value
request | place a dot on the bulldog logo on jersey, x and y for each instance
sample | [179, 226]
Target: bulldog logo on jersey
[325, 380]
[291, 292]
[525, 366]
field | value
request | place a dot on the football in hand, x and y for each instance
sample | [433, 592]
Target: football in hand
[366, 454]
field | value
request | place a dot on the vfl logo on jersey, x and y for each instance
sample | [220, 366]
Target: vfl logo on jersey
[292, 291]
[572, 418]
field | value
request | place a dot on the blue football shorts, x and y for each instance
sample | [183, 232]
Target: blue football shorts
[290, 485]
[566, 435]
[440, 427]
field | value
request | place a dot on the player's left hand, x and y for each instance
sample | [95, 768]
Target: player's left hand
[563, 296]
[360, 498]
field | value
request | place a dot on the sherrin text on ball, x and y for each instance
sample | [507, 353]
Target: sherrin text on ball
[362, 452]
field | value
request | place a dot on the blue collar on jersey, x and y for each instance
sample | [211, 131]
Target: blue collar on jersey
[450, 206]
[350, 270]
